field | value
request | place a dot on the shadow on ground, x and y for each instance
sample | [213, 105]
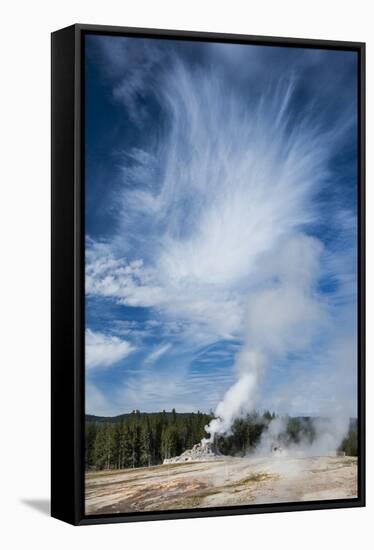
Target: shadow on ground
[42, 506]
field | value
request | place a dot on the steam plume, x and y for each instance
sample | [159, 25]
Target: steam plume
[281, 318]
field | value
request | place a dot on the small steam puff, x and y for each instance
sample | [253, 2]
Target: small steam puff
[282, 318]
[329, 433]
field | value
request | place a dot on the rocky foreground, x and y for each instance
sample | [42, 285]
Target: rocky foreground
[222, 482]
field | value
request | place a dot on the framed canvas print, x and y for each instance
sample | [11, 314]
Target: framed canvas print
[207, 274]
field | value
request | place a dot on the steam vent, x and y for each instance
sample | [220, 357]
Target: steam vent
[201, 451]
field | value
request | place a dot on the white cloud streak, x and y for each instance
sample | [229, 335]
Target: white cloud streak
[157, 353]
[103, 350]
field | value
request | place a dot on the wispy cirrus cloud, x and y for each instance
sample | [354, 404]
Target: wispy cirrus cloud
[226, 175]
[237, 182]
[157, 353]
[104, 350]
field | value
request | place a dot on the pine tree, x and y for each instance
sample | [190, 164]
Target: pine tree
[146, 445]
[102, 447]
[135, 445]
[91, 431]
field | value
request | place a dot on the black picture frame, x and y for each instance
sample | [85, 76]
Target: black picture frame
[67, 384]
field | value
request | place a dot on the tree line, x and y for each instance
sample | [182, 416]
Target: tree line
[141, 439]
[145, 439]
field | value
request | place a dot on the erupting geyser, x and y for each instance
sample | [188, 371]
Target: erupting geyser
[282, 318]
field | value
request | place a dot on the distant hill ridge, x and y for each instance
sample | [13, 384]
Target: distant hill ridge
[170, 414]
[124, 416]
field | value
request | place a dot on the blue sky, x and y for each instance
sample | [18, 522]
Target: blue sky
[220, 221]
